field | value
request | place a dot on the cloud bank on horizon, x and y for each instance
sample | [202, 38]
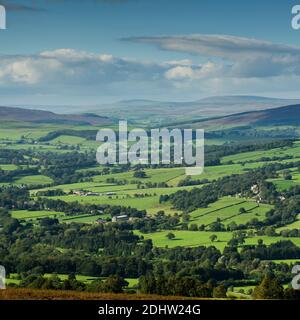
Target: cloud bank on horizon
[232, 65]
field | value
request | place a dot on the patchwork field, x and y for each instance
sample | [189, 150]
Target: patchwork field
[228, 210]
[256, 155]
[202, 238]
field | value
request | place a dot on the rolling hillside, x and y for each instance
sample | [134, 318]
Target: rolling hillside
[39, 116]
[161, 112]
[281, 116]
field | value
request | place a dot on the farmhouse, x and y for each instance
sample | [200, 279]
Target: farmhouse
[120, 218]
[91, 194]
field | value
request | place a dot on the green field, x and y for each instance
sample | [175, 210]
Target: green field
[188, 239]
[33, 180]
[256, 155]
[28, 215]
[8, 167]
[69, 140]
[202, 238]
[15, 279]
[227, 209]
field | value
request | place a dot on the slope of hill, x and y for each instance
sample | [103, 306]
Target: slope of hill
[281, 116]
[39, 116]
[162, 112]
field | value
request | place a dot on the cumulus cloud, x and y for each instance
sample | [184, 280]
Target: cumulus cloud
[67, 66]
[233, 66]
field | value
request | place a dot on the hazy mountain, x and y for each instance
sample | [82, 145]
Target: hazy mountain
[283, 116]
[150, 112]
[147, 111]
[39, 116]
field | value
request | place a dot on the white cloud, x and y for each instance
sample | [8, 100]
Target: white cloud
[67, 67]
[242, 57]
[222, 46]
[233, 66]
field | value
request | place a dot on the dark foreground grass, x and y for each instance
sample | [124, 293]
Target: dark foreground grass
[33, 294]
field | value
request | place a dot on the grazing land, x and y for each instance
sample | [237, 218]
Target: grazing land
[90, 227]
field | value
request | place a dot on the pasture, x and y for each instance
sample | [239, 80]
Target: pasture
[227, 209]
[32, 215]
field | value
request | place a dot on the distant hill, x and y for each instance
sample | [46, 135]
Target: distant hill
[39, 116]
[158, 112]
[287, 115]
[151, 112]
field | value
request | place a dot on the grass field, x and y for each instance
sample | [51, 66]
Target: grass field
[69, 140]
[227, 209]
[33, 180]
[27, 215]
[202, 238]
[33, 215]
[256, 155]
[288, 261]
[282, 184]
[188, 239]
[8, 167]
[15, 279]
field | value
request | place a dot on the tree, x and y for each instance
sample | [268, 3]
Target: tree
[193, 227]
[220, 292]
[171, 236]
[140, 174]
[269, 288]
[213, 238]
[114, 284]
[287, 175]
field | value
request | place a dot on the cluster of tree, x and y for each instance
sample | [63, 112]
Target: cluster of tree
[87, 134]
[280, 250]
[112, 284]
[290, 233]
[13, 197]
[63, 168]
[51, 193]
[160, 221]
[284, 212]
[180, 286]
[189, 182]
[16, 157]
[271, 288]
[8, 176]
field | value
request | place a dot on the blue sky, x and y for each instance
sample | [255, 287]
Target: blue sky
[91, 52]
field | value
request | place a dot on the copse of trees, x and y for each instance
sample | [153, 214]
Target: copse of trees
[280, 250]
[112, 284]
